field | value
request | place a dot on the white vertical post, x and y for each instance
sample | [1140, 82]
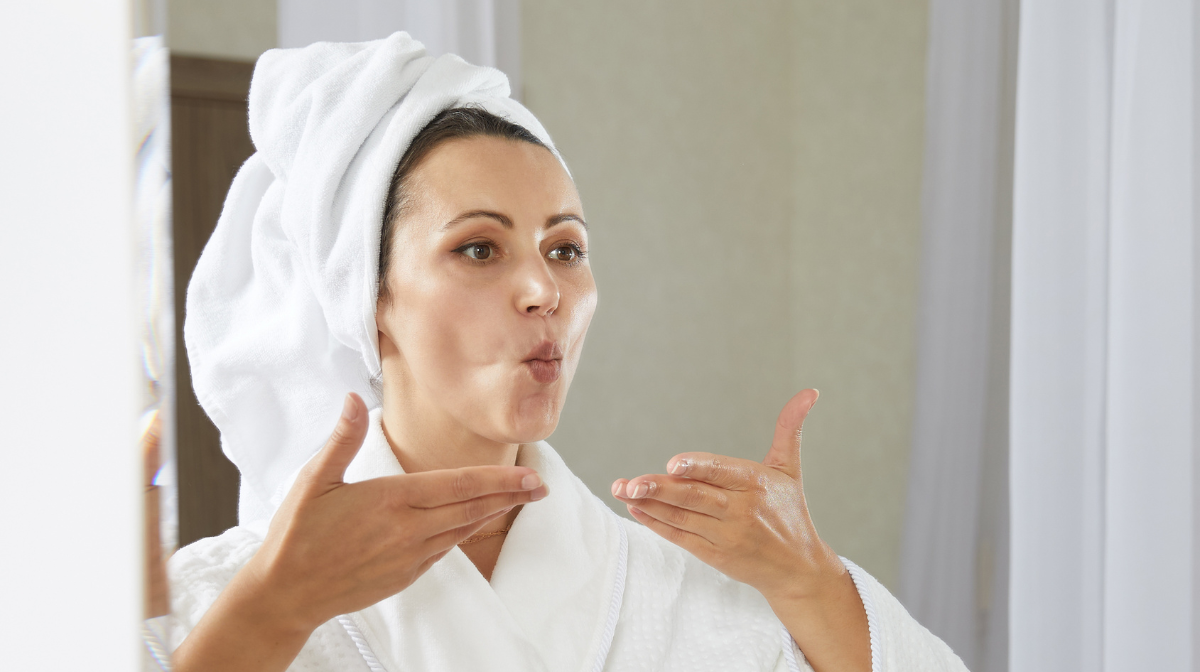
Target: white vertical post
[1103, 358]
[1059, 336]
[1148, 475]
[71, 503]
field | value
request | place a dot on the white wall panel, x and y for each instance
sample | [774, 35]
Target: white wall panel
[70, 575]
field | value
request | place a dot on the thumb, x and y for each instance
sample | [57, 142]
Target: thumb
[785, 448]
[330, 464]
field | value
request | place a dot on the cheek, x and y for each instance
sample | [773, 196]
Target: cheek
[583, 297]
[450, 333]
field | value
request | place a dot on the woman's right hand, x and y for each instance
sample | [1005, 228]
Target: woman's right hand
[336, 547]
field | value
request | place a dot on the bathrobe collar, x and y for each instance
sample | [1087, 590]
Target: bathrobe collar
[553, 599]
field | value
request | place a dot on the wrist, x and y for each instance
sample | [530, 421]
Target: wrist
[824, 614]
[270, 604]
[810, 578]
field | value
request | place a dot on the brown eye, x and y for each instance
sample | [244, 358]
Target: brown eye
[478, 251]
[567, 253]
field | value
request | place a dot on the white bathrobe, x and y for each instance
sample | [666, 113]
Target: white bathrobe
[576, 588]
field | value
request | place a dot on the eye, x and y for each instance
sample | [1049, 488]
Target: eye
[477, 251]
[566, 253]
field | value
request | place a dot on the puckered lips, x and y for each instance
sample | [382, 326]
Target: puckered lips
[544, 362]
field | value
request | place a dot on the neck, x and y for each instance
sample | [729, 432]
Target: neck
[424, 438]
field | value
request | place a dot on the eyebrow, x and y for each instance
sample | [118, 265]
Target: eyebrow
[508, 223]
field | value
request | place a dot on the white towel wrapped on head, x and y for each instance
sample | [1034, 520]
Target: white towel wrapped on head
[281, 308]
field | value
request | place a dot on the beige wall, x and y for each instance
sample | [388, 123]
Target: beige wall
[233, 29]
[860, 76]
[751, 176]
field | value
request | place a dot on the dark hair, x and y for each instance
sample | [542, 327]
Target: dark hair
[452, 124]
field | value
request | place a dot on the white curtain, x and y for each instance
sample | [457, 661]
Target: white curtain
[953, 568]
[484, 32]
[1103, 378]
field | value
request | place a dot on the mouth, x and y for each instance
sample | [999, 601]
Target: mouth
[544, 362]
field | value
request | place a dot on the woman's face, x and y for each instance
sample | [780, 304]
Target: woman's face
[491, 291]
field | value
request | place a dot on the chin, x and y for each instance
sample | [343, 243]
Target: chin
[533, 419]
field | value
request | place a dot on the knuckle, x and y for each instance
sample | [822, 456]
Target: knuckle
[761, 482]
[716, 466]
[675, 535]
[677, 516]
[721, 500]
[693, 496]
[340, 434]
[464, 486]
[475, 510]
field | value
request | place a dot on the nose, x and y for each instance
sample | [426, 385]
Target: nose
[537, 292]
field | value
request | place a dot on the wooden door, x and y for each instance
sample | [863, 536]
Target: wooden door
[210, 140]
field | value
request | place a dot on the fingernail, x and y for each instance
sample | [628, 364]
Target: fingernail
[639, 491]
[531, 481]
[636, 511]
[616, 489]
[681, 465]
[540, 493]
[349, 409]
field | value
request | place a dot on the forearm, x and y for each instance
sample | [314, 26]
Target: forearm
[825, 615]
[157, 599]
[244, 630]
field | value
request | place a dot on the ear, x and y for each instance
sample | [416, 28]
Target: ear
[383, 327]
[387, 347]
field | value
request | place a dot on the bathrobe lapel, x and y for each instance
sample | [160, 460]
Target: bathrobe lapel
[561, 573]
[554, 595]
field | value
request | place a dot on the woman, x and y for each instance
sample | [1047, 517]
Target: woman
[407, 232]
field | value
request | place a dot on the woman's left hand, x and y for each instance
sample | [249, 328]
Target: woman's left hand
[751, 522]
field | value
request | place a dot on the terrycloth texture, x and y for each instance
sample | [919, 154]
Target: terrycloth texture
[550, 602]
[898, 642]
[281, 307]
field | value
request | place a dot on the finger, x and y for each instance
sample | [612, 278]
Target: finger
[689, 541]
[618, 487]
[459, 514]
[689, 521]
[329, 466]
[431, 561]
[430, 489]
[448, 539]
[441, 545]
[784, 454]
[730, 473]
[684, 493]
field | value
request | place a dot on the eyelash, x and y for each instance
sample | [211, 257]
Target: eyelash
[580, 252]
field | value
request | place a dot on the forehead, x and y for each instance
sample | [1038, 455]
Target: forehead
[494, 173]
